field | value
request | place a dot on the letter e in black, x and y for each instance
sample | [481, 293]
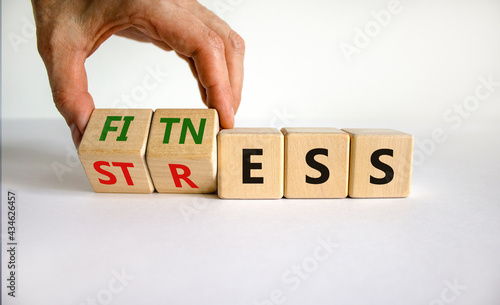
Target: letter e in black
[248, 166]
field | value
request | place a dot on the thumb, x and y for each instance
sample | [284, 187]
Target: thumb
[68, 81]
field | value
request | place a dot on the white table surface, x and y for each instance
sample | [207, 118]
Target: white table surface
[198, 249]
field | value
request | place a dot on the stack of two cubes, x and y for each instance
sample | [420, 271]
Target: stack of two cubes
[186, 153]
[134, 151]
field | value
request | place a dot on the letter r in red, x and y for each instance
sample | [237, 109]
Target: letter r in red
[184, 176]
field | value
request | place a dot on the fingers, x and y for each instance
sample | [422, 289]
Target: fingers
[68, 81]
[234, 50]
[138, 35]
[195, 74]
[190, 37]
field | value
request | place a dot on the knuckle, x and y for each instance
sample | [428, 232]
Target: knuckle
[43, 46]
[59, 37]
[215, 42]
[237, 42]
[43, 49]
[61, 99]
[48, 45]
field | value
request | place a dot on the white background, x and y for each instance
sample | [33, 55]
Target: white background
[425, 62]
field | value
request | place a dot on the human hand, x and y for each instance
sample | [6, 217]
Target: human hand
[70, 31]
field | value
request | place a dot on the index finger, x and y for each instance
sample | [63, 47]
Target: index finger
[189, 36]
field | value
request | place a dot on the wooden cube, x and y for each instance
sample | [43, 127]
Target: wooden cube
[113, 150]
[380, 163]
[250, 163]
[182, 150]
[316, 162]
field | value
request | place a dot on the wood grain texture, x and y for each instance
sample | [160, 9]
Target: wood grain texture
[370, 161]
[327, 146]
[233, 145]
[185, 153]
[113, 149]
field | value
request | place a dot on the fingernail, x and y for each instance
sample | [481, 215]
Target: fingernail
[232, 116]
[75, 134]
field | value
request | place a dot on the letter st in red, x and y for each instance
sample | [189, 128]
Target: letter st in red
[113, 150]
